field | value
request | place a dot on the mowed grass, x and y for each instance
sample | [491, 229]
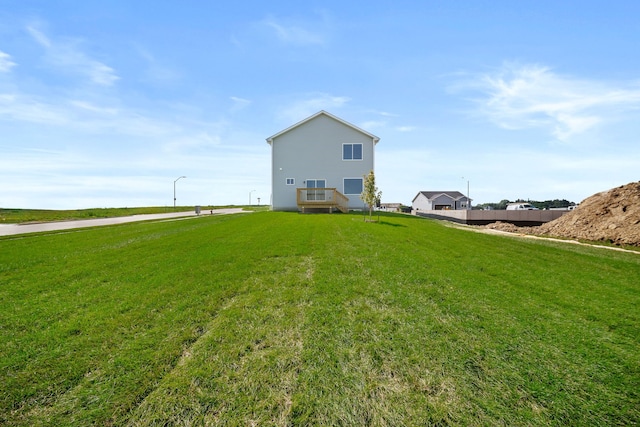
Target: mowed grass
[287, 319]
[20, 216]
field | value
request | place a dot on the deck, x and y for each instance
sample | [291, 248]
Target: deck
[321, 198]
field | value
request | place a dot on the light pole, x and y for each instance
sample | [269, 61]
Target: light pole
[174, 190]
[250, 196]
[468, 199]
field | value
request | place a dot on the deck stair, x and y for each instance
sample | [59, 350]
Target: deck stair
[314, 199]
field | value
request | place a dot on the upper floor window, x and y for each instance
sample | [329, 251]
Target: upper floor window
[351, 151]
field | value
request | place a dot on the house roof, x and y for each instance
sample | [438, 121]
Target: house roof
[430, 195]
[319, 113]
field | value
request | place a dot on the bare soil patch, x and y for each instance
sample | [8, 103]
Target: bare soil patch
[610, 216]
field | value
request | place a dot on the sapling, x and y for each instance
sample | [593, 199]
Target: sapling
[370, 194]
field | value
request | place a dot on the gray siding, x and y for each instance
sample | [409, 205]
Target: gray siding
[442, 200]
[313, 150]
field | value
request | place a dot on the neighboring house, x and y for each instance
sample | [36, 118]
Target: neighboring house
[391, 207]
[320, 162]
[438, 200]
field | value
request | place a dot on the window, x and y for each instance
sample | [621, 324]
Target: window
[351, 151]
[291, 181]
[316, 183]
[316, 189]
[353, 186]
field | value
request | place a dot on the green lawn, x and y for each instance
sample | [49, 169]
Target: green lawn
[287, 319]
[20, 216]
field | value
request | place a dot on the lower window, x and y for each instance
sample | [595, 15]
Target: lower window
[291, 181]
[353, 186]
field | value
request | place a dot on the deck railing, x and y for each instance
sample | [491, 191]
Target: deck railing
[322, 198]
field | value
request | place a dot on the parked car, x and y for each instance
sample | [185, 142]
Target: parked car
[521, 207]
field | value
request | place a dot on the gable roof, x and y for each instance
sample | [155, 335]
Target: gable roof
[430, 195]
[319, 113]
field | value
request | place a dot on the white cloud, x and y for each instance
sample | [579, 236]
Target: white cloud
[66, 55]
[90, 107]
[191, 142]
[239, 103]
[528, 96]
[17, 107]
[69, 179]
[302, 109]
[5, 62]
[77, 115]
[39, 36]
[100, 73]
[387, 114]
[294, 34]
[373, 124]
[155, 70]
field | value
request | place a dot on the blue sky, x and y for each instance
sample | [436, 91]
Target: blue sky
[105, 104]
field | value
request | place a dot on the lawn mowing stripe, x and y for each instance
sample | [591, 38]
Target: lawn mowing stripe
[280, 318]
[246, 365]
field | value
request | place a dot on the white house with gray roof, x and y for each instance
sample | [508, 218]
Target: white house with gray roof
[320, 162]
[440, 200]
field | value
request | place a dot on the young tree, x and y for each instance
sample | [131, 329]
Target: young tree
[370, 194]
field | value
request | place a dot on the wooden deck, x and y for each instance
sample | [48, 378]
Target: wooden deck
[322, 198]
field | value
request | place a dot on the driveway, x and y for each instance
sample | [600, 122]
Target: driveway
[11, 229]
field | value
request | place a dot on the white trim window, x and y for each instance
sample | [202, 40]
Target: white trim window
[352, 186]
[316, 189]
[351, 152]
[291, 181]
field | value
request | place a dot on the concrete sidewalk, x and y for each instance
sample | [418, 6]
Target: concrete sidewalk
[12, 229]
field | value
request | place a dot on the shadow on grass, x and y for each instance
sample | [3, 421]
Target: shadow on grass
[392, 224]
[379, 218]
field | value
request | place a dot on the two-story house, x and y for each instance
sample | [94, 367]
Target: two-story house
[320, 162]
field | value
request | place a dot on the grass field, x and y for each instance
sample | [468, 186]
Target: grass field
[286, 319]
[21, 216]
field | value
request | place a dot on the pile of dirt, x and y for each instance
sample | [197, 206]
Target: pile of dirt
[612, 216]
[508, 227]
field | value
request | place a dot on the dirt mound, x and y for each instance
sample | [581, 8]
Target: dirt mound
[506, 226]
[612, 216]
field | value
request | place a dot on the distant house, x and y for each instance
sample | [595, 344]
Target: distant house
[440, 200]
[320, 162]
[391, 207]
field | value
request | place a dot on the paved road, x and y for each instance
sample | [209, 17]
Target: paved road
[11, 229]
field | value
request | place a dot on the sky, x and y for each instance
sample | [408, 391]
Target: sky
[108, 104]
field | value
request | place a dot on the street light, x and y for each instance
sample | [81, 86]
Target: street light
[468, 199]
[250, 196]
[174, 190]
